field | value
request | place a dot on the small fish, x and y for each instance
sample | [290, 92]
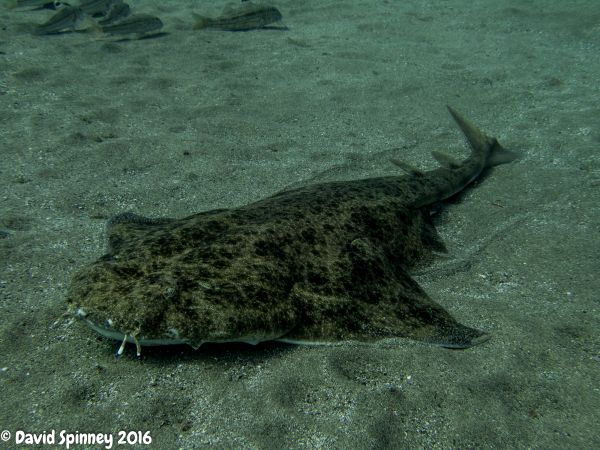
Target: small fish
[248, 17]
[96, 8]
[32, 4]
[118, 11]
[136, 24]
[66, 19]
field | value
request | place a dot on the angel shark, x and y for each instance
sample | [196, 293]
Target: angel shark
[320, 264]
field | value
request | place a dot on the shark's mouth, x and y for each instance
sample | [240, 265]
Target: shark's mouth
[107, 330]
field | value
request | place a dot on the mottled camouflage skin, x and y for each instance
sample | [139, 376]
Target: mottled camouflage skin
[323, 263]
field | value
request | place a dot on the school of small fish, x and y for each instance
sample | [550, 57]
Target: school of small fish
[114, 17]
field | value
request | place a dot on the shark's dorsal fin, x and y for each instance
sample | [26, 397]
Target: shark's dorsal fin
[446, 161]
[409, 168]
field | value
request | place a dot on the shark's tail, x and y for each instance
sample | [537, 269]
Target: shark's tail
[483, 145]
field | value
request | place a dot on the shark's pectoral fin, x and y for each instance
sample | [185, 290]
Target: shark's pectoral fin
[420, 318]
[403, 310]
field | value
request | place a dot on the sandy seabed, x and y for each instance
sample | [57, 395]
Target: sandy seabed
[197, 120]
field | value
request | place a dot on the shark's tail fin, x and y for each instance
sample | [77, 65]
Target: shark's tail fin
[480, 143]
